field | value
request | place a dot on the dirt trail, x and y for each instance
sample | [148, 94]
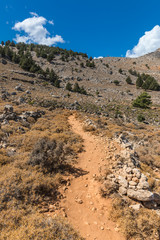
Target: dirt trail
[86, 210]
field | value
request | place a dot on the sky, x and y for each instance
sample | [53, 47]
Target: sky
[98, 28]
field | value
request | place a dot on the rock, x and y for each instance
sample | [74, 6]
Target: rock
[21, 100]
[132, 183]
[4, 96]
[143, 177]
[157, 198]
[18, 88]
[3, 61]
[13, 93]
[122, 182]
[122, 191]
[8, 109]
[80, 201]
[137, 172]
[135, 179]
[140, 195]
[28, 92]
[135, 207]
[150, 205]
[143, 185]
[128, 170]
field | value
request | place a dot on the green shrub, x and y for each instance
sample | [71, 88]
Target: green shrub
[140, 118]
[116, 82]
[142, 101]
[69, 86]
[146, 81]
[79, 89]
[128, 80]
[120, 71]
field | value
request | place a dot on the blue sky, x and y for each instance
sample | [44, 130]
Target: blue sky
[99, 28]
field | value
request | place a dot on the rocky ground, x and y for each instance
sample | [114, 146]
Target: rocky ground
[111, 182]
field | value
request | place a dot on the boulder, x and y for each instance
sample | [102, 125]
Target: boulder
[135, 207]
[157, 198]
[140, 195]
[122, 191]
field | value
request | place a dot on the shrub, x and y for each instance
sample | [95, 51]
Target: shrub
[82, 64]
[139, 81]
[128, 80]
[140, 118]
[133, 72]
[90, 64]
[49, 155]
[142, 101]
[79, 89]
[120, 71]
[69, 86]
[146, 81]
[116, 82]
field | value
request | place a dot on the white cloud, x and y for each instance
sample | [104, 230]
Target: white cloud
[149, 42]
[34, 31]
[34, 14]
[51, 22]
[98, 57]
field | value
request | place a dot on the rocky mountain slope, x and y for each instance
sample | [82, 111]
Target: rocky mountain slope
[89, 149]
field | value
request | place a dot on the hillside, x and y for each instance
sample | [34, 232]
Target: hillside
[81, 163]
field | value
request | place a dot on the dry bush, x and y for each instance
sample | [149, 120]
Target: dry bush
[18, 226]
[49, 155]
[89, 128]
[108, 188]
[142, 224]
[21, 188]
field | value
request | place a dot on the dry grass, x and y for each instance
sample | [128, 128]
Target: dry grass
[21, 225]
[139, 225]
[24, 187]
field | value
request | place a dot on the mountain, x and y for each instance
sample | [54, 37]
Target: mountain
[79, 145]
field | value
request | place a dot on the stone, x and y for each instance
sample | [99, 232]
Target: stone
[8, 108]
[122, 191]
[132, 183]
[150, 205]
[21, 100]
[143, 177]
[143, 184]
[128, 170]
[3, 61]
[157, 198]
[79, 201]
[122, 182]
[140, 195]
[135, 207]
[135, 179]
[18, 88]
[13, 93]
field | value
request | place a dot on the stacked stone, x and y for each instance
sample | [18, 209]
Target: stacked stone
[130, 180]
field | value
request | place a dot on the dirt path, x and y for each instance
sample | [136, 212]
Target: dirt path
[86, 210]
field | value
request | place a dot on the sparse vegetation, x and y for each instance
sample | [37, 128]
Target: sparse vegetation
[133, 72]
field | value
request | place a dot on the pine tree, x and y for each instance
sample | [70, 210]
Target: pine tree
[69, 86]
[139, 81]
